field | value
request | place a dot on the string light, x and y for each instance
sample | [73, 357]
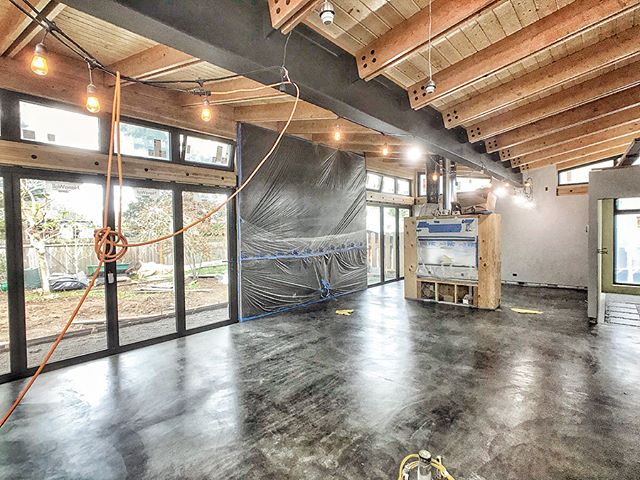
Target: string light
[93, 104]
[39, 64]
[337, 134]
[435, 176]
[205, 114]
[385, 150]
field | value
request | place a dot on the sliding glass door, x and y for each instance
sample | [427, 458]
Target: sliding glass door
[385, 237]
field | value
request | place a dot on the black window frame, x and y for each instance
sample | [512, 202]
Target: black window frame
[395, 184]
[618, 211]
[191, 133]
[156, 126]
[12, 175]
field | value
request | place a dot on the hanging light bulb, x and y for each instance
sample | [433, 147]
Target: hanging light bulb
[435, 176]
[39, 64]
[206, 114]
[93, 104]
[337, 134]
[385, 150]
[430, 88]
[414, 153]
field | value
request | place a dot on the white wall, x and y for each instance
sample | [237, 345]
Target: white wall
[546, 244]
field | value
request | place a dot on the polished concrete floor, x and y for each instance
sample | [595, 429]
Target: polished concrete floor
[313, 395]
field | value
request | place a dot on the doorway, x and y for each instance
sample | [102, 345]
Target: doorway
[385, 240]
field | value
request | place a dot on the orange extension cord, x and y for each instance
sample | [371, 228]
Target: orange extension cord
[111, 245]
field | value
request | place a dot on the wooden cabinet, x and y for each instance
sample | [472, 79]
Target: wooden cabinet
[482, 291]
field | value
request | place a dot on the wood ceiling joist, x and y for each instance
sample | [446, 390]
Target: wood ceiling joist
[572, 19]
[14, 23]
[589, 154]
[154, 62]
[282, 11]
[617, 124]
[362, 138]
[566, 99]
[20, 39]
[324, 126]
[596, 157]
[617, 102]
[241, 89]
[626, 133]
[280, 112]
[412, 34]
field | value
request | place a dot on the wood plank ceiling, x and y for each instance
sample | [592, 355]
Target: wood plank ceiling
[540, 82]
[140, 57]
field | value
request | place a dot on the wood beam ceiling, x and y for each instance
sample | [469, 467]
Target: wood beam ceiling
[611, 126]
[280, 113]
[593, 58]
[583, 156]
[576, 17]
[412, 34]
[324, 126]
[154, 62]
[23, 30]
[566, 99]
[617, 102]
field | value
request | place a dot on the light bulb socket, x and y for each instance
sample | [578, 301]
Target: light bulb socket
[40, 49]
[431, 86]
[92, 90]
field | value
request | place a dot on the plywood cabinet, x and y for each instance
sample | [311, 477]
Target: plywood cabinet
[453, 260]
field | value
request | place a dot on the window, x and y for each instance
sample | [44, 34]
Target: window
[58, 221]
[469, 184]
[374, 181]
[146, 142]
[39, 123]
[388, 185]
[422, 184]
[146, 297]
[206, 275]
[577, 175]
[205, 150]
[374, 274]
[4, 287]
[403, 187]
[627, 241]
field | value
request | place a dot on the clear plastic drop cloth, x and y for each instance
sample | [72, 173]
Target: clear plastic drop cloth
[302, 234]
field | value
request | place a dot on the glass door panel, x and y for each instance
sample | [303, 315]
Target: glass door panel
[58, 221]
[206, 275]
[390, 226]
[402, 214]
[374, 274]
[146, 296]
[4, 315]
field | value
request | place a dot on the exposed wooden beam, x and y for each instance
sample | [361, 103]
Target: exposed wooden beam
[14, 23]
[597, 157]
[577, 95]
[487, 111]
[362, 138]
[154, 62]
[585, 113]
[614, 125]
[67, 83]
[64, 159]
[280, 112]
[625, 134]
[298, 17]
[404, 39]
[572, 190]
[585, 155]
[283, 10]
[51, 10]
[630, 155]
[325, 126]
[242, 91]
[573, 18]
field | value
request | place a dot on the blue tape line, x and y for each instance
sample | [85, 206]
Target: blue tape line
[305, 255]
[300, 305]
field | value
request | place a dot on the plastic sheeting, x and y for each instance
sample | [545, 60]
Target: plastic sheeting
[302, 232]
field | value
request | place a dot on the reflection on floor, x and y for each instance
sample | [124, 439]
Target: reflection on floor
[313, 395]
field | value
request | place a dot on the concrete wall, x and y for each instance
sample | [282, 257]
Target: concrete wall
[546, 244]
[613, 183]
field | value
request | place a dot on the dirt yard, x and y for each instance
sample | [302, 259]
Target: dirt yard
[47, 313]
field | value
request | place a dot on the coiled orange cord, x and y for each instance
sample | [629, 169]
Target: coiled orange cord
[112, 245]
